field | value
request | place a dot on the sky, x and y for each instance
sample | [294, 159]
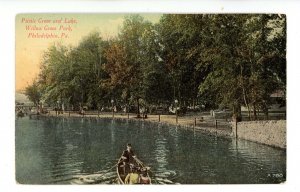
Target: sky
[29, 50]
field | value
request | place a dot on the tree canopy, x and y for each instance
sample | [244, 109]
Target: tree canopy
[215, 60]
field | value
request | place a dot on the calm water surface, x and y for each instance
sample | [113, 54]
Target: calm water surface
[53, 150]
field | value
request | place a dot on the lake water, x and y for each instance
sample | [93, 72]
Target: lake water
[52, 150]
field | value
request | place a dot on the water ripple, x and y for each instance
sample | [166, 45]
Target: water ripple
[72, 151]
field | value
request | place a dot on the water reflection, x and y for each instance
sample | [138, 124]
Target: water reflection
[85, 150]
[160, 153]
[112, 132]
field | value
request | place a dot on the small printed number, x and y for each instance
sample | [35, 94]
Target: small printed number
[276, 175]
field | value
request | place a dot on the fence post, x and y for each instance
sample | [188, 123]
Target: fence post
[98, 112]
[216, 123]
[236, 134]
[69, 113]
[158, 117]
[195, 122]
[127, 115]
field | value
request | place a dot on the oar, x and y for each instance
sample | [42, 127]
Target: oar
[108, 169]
[139, 161]
[101, 175]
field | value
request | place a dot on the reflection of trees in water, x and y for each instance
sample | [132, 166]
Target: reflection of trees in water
[257, 152]
[85, 145]
[95, 144]
[112, 134]
[28, 155]
[195, 156]
[261, 159]
[161, 153]
[72, 146]
[53, 147]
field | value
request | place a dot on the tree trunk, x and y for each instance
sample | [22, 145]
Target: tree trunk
[37, 108]
[254, 112]
[247, 105]
[246, 102]
[138, 107]
[267, 114]
[244, 92]
[265, 111]
[194, 103]
[237, 116]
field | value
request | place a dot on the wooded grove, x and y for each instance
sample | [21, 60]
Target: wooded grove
[209, 60]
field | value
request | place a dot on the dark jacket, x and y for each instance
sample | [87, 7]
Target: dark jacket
[128, 156]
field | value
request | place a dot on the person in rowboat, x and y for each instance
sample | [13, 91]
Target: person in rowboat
[128, 157]
[133, 177]
[144, 179]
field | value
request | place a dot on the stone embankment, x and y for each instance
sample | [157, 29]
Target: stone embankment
[271, 132]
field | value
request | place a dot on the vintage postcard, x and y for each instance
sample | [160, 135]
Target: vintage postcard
[150, 98]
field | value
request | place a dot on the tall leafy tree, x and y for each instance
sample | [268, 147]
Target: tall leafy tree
[33, 93]
[53, 77]
[182, 41]
[87, 62]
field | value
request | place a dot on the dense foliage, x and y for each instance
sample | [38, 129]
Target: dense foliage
[200, 60]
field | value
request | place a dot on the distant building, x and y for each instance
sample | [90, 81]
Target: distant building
[277, 102]
[278, 94]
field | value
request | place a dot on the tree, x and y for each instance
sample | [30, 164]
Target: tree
[86, 62]
[53, 77]
[119, 71]
[128, 60]
[182, 41]
[213, 60]
[242, 61]
[33, 93]
[73, 75]
[156, 83]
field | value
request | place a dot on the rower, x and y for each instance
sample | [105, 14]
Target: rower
[128, 158]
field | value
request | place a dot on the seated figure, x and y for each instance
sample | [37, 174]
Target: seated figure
[132, 178]
[144, 179]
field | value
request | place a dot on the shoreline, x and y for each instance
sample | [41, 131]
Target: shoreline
[184, 122]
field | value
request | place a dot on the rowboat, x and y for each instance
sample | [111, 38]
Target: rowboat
[122, 172]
